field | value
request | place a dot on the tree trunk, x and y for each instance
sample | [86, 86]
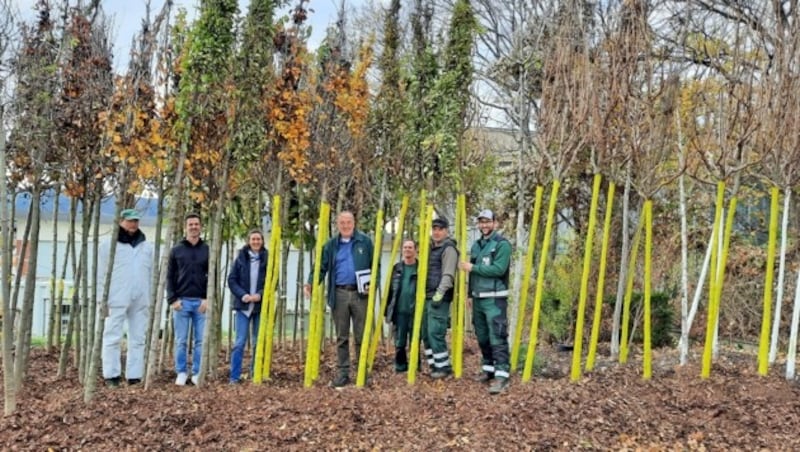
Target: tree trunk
[792, 352]
[23, 251]
[90, 380]
[623, 266]
[698, 294]
[171, 231]
[683, 346]
[206, 366]
[95, 282]
[6, 240]
[73, 307]
[776, 319]
[155, 317]
[26, 315]
[83, 330]
[299, 301]
[54, 281]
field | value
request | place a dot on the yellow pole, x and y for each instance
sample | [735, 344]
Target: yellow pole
[461, 285]
[763, 345]
[265, 299]
[526, 277]
[422, 273]
[601, 278]
[537, 300]
[312, 347]
[723, 260]
[375, 279]
[626, 305]
[648, 250]
[398, 241]
[319, 330]
[584, 292]
[273, 302]
[706, 369]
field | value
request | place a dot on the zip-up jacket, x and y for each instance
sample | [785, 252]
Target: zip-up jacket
[239, 278]
[362, 260]
[394, 290]
[442, 266]
[490, 258]
[187, 272]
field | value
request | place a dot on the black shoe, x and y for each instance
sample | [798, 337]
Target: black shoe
[113, 382]
[485, 377]
[340, 381]
[500, 384]
[134, 381]
[439, 374]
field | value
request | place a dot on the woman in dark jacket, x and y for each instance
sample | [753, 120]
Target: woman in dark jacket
[246, 282]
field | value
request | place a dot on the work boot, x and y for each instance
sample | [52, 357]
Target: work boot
[500, 384]
[134, 381]
[485, 377]
[340, 381]
[113, 382]
[441, 373]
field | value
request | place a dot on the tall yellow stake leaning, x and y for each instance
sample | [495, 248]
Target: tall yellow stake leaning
[537, 300]
[526, 277]
[763, 345]
[422, 274]
[271, 286]
[319, 329]
[601, 279]
[375, 279]
[648, 252]
[626, 304]
[461, 293]
[262, 324]
[584, 292]
[710, 325]
[398, 240]
[312, 347]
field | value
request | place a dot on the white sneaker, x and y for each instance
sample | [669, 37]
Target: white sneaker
[181, 380]
[194, 379]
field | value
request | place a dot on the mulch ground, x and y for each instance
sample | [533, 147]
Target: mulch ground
[610, 408]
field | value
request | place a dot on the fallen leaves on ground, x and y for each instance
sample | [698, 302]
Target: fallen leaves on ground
[611, 407]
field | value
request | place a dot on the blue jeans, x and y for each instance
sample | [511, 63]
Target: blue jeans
[188, 314]
[242, 326]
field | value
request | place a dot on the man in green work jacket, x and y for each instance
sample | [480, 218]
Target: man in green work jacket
[346, 259]
[488, 269]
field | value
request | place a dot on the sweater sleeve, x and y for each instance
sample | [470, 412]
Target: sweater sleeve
[449, 266]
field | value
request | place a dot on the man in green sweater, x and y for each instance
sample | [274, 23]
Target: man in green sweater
[488, 269]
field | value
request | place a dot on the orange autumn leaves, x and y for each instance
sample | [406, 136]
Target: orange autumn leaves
[296, 95]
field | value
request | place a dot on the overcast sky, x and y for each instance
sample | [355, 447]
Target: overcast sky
[126, 17]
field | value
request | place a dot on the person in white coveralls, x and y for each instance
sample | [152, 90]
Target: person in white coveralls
[128, 299]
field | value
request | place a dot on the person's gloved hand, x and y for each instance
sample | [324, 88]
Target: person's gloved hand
[437, 297]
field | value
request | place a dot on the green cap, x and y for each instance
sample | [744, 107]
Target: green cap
[129, 214]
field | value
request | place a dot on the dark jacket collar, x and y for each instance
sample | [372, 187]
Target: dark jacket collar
[132, 240]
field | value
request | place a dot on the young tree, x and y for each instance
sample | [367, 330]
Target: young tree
[8, 36]
[31, 152]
